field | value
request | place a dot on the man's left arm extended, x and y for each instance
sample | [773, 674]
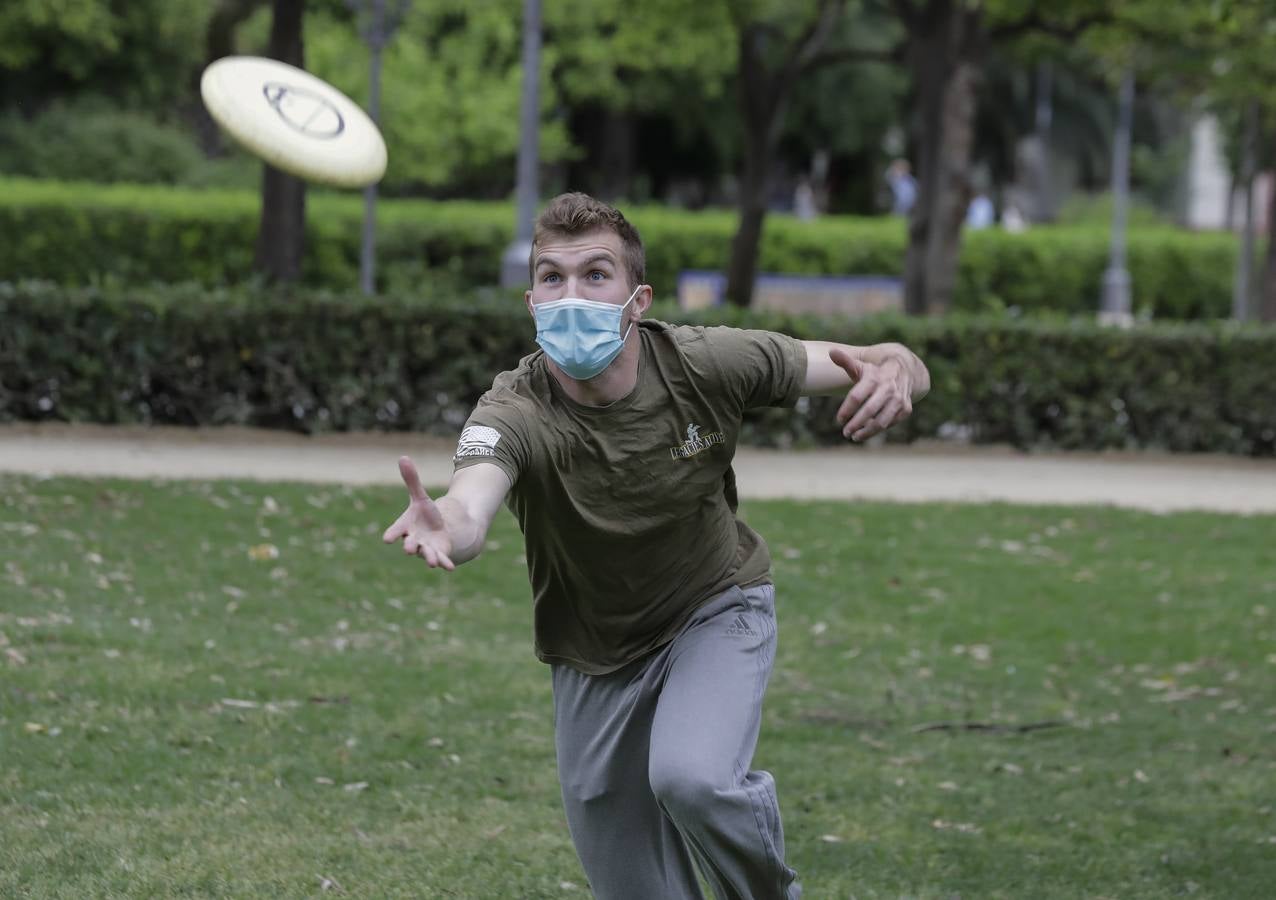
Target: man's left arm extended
[884, 381]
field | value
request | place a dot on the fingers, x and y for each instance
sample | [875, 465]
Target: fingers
[867, 413]
[887, 416]
[397, 530]
[854, 400]
[872, 406]
[413, 545]
[440, 560]
[435, 558]
[407, 469]
[894, 410]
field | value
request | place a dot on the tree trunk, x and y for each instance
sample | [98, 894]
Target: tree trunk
[742, 271]
[281, 237]
[763, 93]
[219, 41]
[1267, 309]
[219, 36]
[618, 155]
[943, 58]
[605, 169]
[761, 100]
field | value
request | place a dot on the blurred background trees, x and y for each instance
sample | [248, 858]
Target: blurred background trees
[760, 106]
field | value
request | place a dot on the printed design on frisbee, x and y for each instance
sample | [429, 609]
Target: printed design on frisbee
[304, 110]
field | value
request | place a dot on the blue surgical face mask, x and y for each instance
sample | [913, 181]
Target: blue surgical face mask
[582, 337]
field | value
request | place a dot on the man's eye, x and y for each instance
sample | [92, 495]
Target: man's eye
[551, 277]
[599, 273]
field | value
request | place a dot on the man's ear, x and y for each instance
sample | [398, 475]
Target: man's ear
[527, 301]
[642, 300]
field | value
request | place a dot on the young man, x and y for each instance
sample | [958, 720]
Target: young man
[653, 601]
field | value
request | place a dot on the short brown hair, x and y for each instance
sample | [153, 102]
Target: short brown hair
[570, 215]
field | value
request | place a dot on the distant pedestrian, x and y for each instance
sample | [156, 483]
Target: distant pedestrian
[903, 187]
[804, 201]
[980, 213]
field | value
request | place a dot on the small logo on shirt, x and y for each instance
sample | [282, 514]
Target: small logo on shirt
[696, 442]
[740, 628]
[477, 440]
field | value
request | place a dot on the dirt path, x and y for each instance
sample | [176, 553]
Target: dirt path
[1158, 482]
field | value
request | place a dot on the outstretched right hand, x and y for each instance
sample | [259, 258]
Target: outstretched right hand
[421, 526]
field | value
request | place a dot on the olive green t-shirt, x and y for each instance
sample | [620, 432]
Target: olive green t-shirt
[628, 511]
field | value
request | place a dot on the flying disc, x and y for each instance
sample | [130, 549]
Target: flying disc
[296, 122]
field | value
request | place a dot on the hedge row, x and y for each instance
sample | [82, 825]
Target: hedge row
[78, 234]
[314, 361]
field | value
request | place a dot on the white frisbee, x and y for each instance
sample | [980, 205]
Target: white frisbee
[296, 122]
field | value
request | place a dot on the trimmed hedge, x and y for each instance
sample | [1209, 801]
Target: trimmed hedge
[313, 361]
[80, 233]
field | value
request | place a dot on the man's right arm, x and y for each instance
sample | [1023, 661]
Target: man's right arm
[474, 495]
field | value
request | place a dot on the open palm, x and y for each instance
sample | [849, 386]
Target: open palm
[421, 526]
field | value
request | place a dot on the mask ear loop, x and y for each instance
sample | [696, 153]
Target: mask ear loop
[625, 336]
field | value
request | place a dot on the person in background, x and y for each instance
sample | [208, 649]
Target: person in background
[980, 214]
[903, 187]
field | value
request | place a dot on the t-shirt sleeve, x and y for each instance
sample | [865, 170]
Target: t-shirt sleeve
[758, 368]
[494, 433]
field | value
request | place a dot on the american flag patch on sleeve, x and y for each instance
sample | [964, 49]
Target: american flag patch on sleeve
[477, 440]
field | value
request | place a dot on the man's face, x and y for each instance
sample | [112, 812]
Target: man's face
[589, 267]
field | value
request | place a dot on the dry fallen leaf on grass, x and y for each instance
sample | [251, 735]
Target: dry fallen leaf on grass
[262, 552]
[963, 827]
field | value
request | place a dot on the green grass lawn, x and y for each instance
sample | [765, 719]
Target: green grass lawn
[185, 713]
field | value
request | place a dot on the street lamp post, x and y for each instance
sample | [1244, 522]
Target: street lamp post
[376, 29]
[1115, 305]
[514, 260]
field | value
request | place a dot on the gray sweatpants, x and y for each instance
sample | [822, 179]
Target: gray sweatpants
[654, 763]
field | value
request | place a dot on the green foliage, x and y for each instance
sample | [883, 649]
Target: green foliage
[1096, 210]
[318, 361]
[141, 50]
[90, 141]
[451, 79]
[78, 233]
[450, 92]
